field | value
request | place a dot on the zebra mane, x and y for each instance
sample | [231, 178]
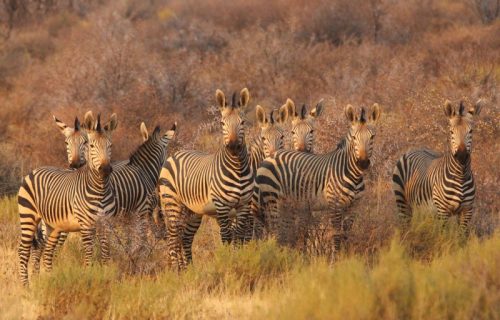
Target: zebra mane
[342, 143]
[135, 156]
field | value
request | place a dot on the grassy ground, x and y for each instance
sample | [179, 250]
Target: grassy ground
[427, 274]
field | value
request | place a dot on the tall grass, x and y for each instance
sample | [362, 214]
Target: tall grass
[426, 273]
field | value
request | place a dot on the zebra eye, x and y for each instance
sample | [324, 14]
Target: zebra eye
[222, 123]
[242, 122]
[91, 145]
[264, 139]
[293, 132]
[312, 131]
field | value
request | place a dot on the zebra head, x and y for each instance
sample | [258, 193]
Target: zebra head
[460, 128]
[233, 119]
[362, 132]
[99, 140]
[156, 136]
[303, 126]
[271, 132]
[76, 142]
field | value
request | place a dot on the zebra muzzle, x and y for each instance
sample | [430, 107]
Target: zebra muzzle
[462, 155]
[105, 170]
[363, 163]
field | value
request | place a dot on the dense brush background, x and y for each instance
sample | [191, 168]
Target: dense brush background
[161, 61]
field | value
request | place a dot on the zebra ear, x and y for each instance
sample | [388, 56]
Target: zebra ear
[88, 120]
[449, 111]
[349, 113]
[283, 114]
[77, 124]
[318, 110]
[112, 123]
[375, 114]
[260, 115]
[170, 134]
[476, 109]
[290, 108]
[220, 98]
[144, 132]
[244, 98]
[61, 125]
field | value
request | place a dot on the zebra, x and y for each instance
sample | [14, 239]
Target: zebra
[300, 137]
[269, 140]
[68, 200]
[329, 181]
[211, 184]
[134, 180]
[271, 137]
[76, 142]
[301, 134]
[443, 180]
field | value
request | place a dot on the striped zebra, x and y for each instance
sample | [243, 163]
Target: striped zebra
[68, 200]
[329, 181]
[210, 184]
[134, 180]
[271, 137]
[443, 180]
[76, 142]
[302, 129]
[269, 140]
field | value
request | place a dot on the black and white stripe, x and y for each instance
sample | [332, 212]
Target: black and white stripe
[210, 184]
[67, 200]
[332, 180]
[423, 177]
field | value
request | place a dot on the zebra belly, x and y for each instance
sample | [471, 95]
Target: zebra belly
[207, 208]
[70, 224]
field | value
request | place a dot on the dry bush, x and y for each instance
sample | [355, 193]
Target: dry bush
[162, 61]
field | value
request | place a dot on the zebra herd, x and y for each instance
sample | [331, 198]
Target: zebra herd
[252, 179]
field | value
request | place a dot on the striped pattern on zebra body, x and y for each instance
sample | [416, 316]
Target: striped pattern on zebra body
[300, 138]
[269, 140]
[330, 181]
[68, 200]
[210, 184]
[76, 144]
[445, 181]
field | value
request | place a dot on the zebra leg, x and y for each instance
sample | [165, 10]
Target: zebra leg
[29, 220]
[243, 230]
[37, 248]
[192, 225]
[336, 222]
[173, 213]
[48, 252]
[88, 244]
[224, 223]
[102, 236]
[60, 242]
[443, 215]
[465, 217]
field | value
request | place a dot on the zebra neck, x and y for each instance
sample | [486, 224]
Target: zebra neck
[344, 154]
[238, 160]
[256, 153]
[455, 168]
[149, 158]
[98, 184]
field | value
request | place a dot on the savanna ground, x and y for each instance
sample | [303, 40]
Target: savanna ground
[159, 61]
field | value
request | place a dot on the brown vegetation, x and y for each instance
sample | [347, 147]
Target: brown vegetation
[160, 61]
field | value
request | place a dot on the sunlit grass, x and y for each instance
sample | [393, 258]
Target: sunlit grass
[426, 273]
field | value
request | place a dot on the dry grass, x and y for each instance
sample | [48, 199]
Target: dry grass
[427, 274]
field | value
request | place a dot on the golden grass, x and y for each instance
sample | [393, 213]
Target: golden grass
[425, 274]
